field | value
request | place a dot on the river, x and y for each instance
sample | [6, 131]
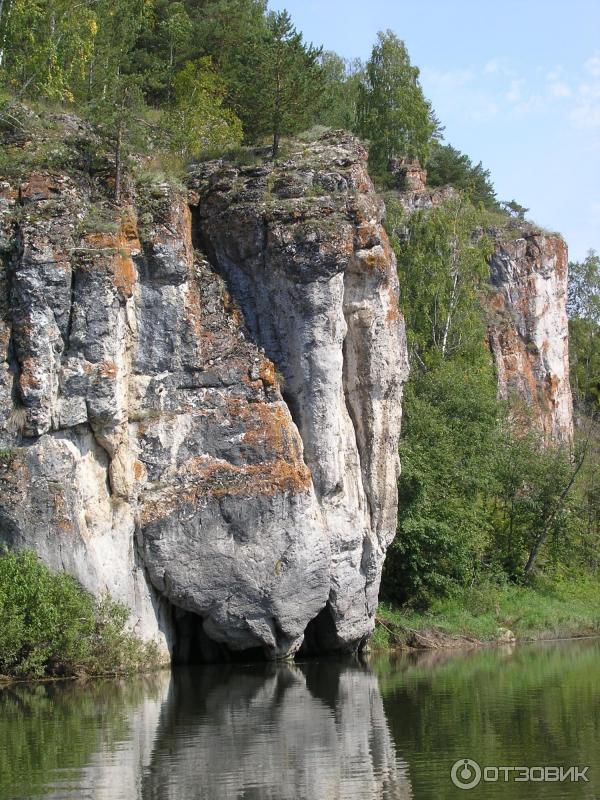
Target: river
[387, 729]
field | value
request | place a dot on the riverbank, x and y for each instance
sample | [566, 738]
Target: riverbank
[494, 614]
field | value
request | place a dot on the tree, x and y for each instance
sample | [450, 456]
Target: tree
[442, 268]
[448, 166]
[339, 98]
[444, 524]
[583, 308]
[393, 113]
[289, 80]
[45, 44]
[515, 209]
[199, 121]
[533, 498]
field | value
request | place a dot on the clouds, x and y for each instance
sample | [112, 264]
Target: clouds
[592, 66]
[585, 113]
[497, 89]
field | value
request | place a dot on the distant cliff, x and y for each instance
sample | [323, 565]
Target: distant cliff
[528, 327]
[527, 317]
[201, 393]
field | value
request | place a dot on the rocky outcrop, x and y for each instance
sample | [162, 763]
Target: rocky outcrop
[528, 328]
[303, 252]
[211, 436]
[527, 317]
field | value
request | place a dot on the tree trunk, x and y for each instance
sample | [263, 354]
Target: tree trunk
[545, 532]
[276, 137]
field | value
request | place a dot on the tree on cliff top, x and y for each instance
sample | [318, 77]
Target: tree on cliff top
[285, 82]
[199, 122]
[393, 113]
[448, 166]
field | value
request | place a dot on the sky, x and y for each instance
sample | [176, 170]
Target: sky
[515, 83]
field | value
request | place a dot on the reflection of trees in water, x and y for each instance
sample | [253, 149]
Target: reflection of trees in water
[533, 705]
[88, 738]
[272, 733]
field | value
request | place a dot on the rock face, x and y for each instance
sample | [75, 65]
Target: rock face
[303, 252]
[212, 437]
[528, 328]
[527, 322]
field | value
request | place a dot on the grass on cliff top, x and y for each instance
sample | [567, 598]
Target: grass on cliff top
[50, 626]
[549, 610]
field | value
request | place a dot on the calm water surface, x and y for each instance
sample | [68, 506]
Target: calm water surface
[387, 730]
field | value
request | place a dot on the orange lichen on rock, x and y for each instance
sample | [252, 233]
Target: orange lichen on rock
[267, 373]
[208, 477]
[38, 187]
[107, 369]
[122, 245]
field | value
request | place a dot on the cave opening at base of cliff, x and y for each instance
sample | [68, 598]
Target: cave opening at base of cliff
[320, 635]
[192, 645]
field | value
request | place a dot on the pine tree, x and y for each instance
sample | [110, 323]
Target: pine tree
[288, 81]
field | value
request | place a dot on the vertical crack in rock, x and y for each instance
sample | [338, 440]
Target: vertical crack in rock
[157, 457]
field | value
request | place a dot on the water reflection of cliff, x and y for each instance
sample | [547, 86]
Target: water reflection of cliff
[272, 733]
[316, 731]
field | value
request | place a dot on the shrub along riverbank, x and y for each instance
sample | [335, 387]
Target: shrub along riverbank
[51, 627]
[488, 614]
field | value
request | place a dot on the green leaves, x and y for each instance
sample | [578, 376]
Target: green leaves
[199, 122]
[45, 46]
[443, 269]
[46, 618]
[583, 307]
[287, 81]
[448, 166]
[50, 625]
[393, 113]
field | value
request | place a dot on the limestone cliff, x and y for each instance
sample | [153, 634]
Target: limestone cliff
[528, 327]
[201, 408]
[527, 317]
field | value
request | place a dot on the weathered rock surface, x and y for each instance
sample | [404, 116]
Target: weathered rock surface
[303, 252]
[528, 328]
[147, 447]
[527, 321]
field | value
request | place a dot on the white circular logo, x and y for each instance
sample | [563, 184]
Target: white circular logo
[466, 773]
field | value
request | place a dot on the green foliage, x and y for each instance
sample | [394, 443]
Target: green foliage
[339, 98]
[480, 495]
[515, 209]
[583, 308]
[45, 46]
[444, 526]
[448, 166]
[392, 111]
[286, 83]
[199, 122]
[531, 506]
[563, 606]
[46, 619]
[442, 269]
[51, 626]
